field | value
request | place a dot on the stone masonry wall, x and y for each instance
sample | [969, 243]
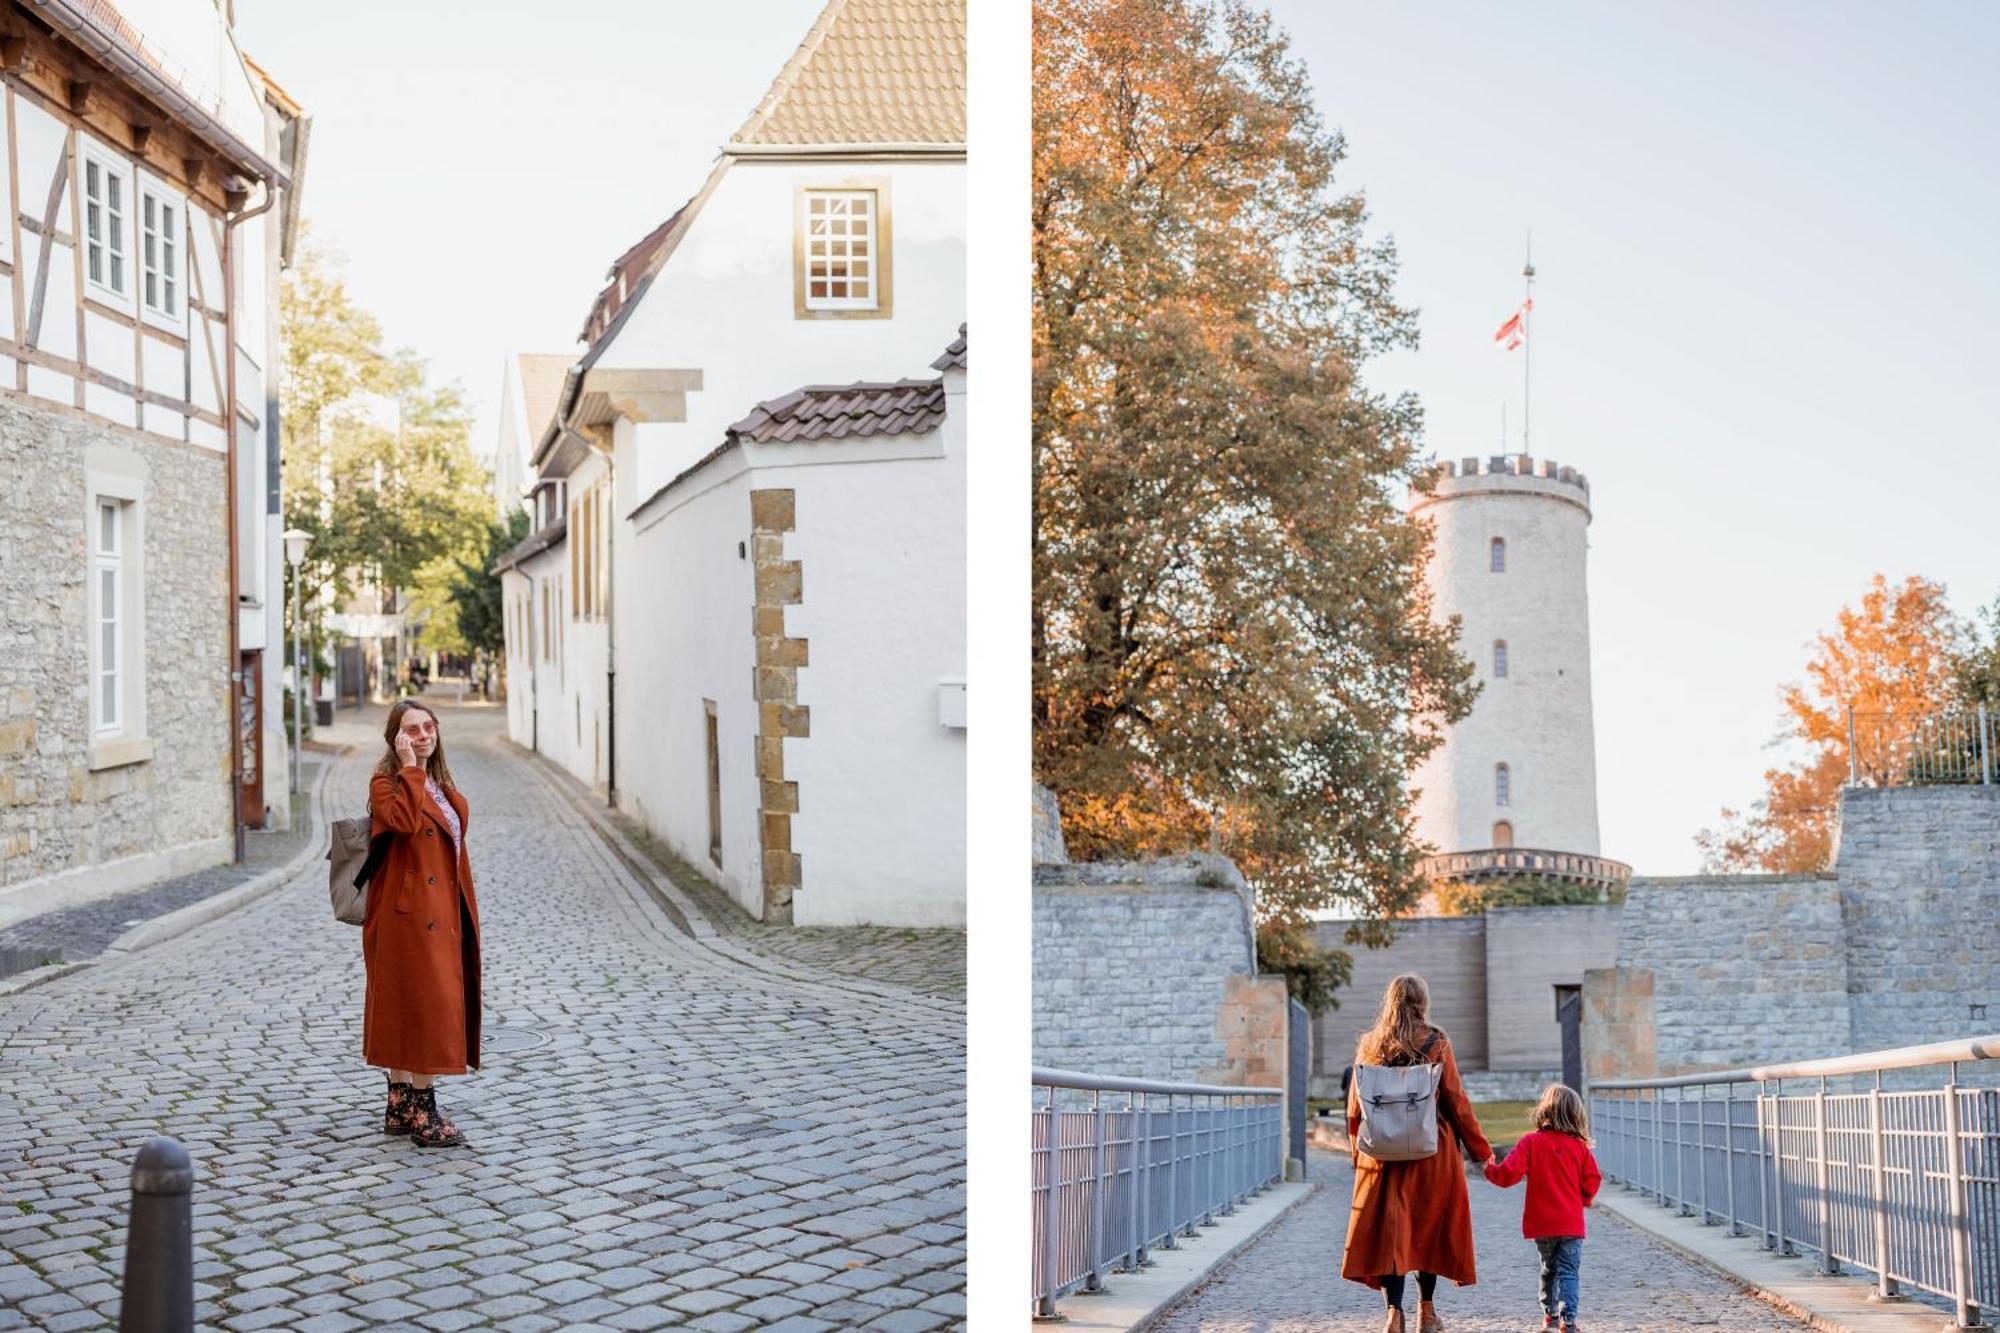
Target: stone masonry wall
[1742, 969]
[55, 813]
[1133, 964]
[1919, 872]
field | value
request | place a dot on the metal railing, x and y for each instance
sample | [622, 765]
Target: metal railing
[1957, 746]
[1112, 1180]
[1903, 1183]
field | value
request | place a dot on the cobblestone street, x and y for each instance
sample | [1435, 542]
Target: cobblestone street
[664, 1135]
[1289, 1281]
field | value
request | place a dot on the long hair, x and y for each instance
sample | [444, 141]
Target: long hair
[1561, 1111]
[1402, 1027]
[391, 763]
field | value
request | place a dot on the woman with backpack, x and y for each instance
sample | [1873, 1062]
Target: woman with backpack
[1410, 1212]
[420, 941]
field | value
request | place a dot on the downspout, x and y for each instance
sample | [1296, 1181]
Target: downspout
[229, 489]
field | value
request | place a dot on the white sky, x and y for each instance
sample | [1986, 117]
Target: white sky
[480, 166]
[1764, 321]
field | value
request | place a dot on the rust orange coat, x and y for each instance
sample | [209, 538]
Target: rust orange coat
[1415, 1217]
[421, 939]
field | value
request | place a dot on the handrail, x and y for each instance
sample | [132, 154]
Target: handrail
[1865, 1062]
[1070, 1078]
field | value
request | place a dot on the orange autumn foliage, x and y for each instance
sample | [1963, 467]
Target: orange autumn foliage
[1899, 653]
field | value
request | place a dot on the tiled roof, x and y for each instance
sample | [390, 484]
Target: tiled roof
[534, 544]
[870, 72]
[623, 277]
[954, 355]
[844, 412]
[541, 384]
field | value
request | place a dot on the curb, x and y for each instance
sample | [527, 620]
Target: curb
[35, 976]
[1819, 1309]
[179, 922]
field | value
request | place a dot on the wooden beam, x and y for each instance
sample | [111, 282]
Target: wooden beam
[79, 96]
[196, 171]
[141, 134]
[14, 57]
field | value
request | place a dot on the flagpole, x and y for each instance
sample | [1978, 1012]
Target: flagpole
[1527, 331]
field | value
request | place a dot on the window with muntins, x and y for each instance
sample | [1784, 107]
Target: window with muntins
[105, 196]
[1502, 785]
[1499, 658]
[106, 571]
[1497, 556]
[160, 254]
[843, 263]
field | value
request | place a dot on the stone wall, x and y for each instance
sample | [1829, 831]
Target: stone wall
[1448, 952]
[1920, 898]
[1134, 963]
[57, 813]
[1529, 952]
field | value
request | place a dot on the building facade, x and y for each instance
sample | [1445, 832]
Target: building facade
[1513, 789]
[758, 468]
[140, 649]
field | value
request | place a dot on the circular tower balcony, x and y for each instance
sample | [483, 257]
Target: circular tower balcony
[1495, 863]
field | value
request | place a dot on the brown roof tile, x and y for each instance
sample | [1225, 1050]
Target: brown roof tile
[954, 355]
[844, 412]
[870, 72]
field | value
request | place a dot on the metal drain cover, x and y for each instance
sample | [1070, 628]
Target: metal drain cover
[511, 1040]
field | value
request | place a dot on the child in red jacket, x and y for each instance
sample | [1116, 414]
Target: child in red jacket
[1562, 1180]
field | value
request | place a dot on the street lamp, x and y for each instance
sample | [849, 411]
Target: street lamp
[296, 541]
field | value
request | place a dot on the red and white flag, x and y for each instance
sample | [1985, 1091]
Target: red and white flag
[1515, 331]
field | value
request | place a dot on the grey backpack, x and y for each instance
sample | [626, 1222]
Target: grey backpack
[1399, 1117]
[352, 859]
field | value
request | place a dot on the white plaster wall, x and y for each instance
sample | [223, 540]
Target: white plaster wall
[880, 830]
[723, 302]
[574, 727]
[1538, 719]
[684, 636]
[514, 587]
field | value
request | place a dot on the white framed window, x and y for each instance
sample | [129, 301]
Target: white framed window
[107, 574]
[162, 256]
[1499, 658]
[842, 251]
[107, 226]
[1496, 559]
[1503, 785]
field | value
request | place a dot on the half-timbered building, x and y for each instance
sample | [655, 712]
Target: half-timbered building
[147, 168]
[752, 498]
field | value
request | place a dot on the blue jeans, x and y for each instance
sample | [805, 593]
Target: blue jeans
[1562, 1270]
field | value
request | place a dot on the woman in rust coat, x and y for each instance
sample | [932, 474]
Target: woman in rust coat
[1413, 1216]
[421, 939]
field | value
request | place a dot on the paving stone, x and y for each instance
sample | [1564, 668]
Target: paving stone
[707, 1117]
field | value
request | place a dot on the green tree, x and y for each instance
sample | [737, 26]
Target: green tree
[1232, 644]
[1474, 898]
[379, 465]
[475, 588]
[1313, 974]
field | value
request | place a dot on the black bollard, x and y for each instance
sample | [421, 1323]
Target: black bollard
[159, 1243]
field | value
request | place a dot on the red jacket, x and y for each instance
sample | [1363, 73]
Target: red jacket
[1562, 1180]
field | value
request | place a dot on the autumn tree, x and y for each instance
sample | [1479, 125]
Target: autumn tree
[1232, 644]
[378, 462]
[1900, 653]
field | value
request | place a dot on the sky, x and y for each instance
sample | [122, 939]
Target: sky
[1765, 324]
[480, 166]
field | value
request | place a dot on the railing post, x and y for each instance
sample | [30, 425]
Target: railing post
[1142, 1180]
[1681, 1208]
[1659, 1147]
[1052, 1217]
[1701, 1153]
[1172, 1242]
[1825, 1176]
[1778, 1165]
[1878, 1192]
[1985, 758]
[158, 1295]
[1763, 1200]
[1094, 1280]
[1729, 1157]
[1853, 760]
[1961, 1220]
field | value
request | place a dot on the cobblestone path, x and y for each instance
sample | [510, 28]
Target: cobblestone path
[662, 1136]
[1289, 1281]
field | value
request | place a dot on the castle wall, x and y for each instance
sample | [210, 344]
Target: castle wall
[1141, 969]
[1448, 952]
[1529, 952]
[1536, 719]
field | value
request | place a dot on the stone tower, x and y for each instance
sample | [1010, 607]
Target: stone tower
[1513, 790]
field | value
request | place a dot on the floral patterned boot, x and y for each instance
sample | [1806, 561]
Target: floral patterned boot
[396, 1118]
[428, 1126]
